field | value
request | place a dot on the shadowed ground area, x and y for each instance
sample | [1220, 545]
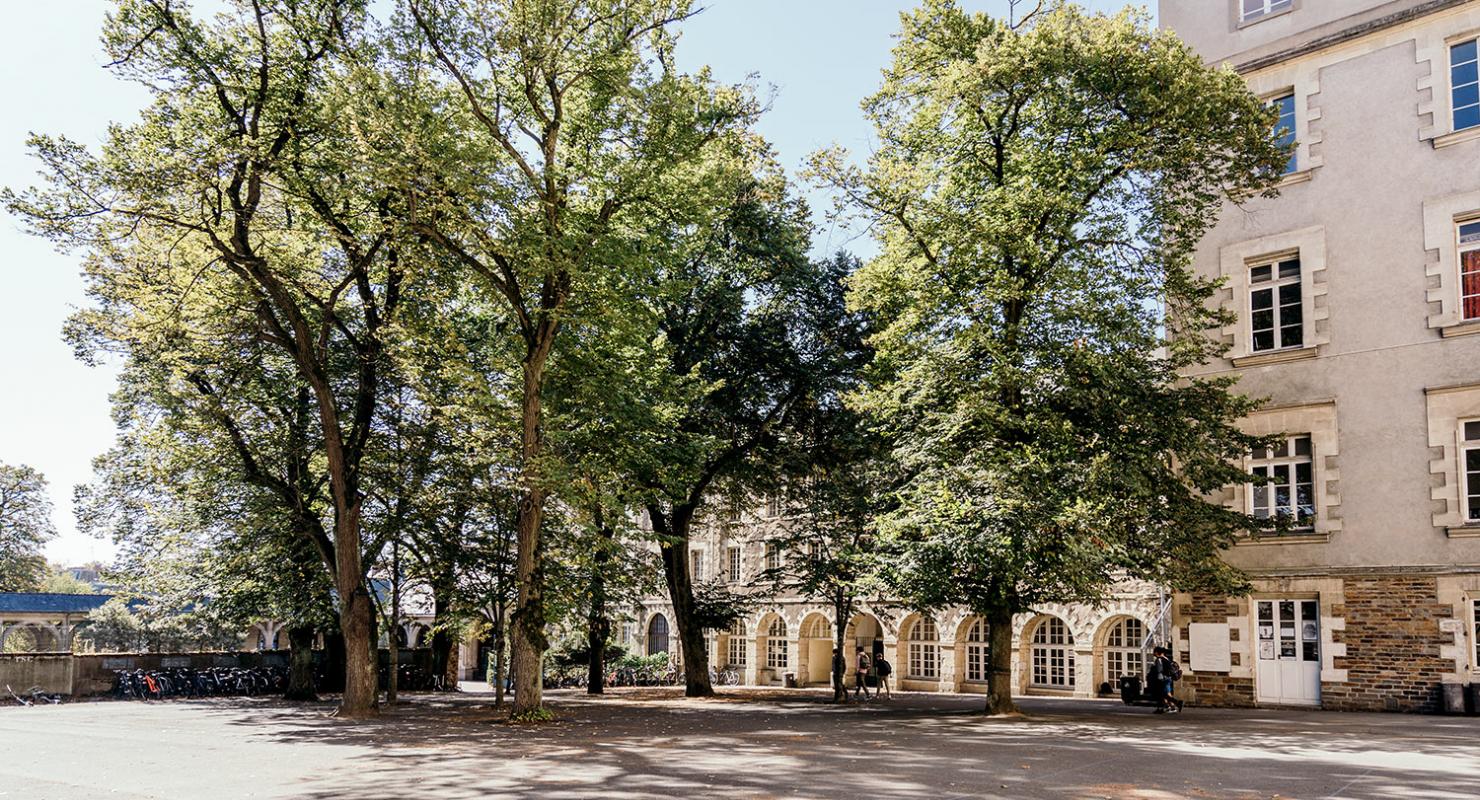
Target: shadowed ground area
[641, 743]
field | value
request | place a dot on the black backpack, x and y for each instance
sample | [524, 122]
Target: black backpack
[1174, 670]
[883, 667]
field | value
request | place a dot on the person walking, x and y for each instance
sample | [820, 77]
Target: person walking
[1168, 671]
[883, 669]
[860, 675]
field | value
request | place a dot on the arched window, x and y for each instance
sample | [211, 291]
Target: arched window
[657, 640]
[737, 643]
[978, 659]
[1053, 655]
[924, 650]
[776, 644]
[817, 627]
[1123, 654]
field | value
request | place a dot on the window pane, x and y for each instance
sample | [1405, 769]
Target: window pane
[1466, 95]
[1262, 299]
[1261, 501]
[1462, 53]
[1290, 294]
[1260, 274]
[1264, 340]
[1472, 431]
[1292, 336]
[1466, 117]
[1290, 269]
[1281, 449]
[1469, 233]
[1302, 446]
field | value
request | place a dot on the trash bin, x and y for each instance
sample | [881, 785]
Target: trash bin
[1475, 698]
[1130, 689]
[1454, 698]
[789, 680]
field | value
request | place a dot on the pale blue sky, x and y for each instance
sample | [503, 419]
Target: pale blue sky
[821, 56]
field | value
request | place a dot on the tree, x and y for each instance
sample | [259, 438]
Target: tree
[25, 525]
[561, 136]
[59, 581]
[243, 156]
[1037, 192]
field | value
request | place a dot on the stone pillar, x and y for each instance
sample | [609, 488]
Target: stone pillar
[752, 661]
[949, 680]
[1084, 670]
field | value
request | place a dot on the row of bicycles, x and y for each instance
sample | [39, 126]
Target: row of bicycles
[670, 675]
[158, 684]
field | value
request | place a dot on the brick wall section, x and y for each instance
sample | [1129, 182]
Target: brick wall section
[1392, 641]
[1212, 688]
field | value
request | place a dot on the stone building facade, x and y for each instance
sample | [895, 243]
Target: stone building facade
[1356, 295]
[1059, 649]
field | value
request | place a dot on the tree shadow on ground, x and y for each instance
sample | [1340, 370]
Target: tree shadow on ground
[797, 744]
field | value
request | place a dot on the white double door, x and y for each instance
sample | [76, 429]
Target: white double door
[1288, 652]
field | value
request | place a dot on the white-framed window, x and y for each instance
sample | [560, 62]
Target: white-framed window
[737, 644]
[1254, 9]
[776, 644]
[625, 631]
[1276, 306]
[1469, 455]
[924, 649]
[696, 565]
[1123, 655]
[1289, 491]
[814, 551]
[1053, 655]
[1468, 239]
[773, 555]
[1464, 83]
[1284, 129]
[1475, 628]
[734, 557]
[978, 656]
[773, 505]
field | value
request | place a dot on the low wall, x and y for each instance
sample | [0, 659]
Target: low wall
[51, 671]
[93, 673]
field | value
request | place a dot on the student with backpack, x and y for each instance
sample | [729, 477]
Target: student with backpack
[884, 670]
[1164, 674]
[860, 674]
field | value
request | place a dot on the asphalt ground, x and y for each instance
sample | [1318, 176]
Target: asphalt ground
[641, 743]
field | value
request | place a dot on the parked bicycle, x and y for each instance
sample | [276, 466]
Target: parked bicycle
[34, 696]
[158, 684]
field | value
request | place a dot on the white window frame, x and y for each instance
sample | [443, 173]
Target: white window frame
[1449, 47]
[773, 555]
[1291, 461]
[1469, 480]
[696, 565]
[1265, 9]
[1467, 240]
[978, 653]
[736, 644]
[1293, 165]
[773, 506]
[1123, 653]
[924, 650]
[776, 649]
[1475, 633]
[1274, 285]
[735, 556]
[1052, 653]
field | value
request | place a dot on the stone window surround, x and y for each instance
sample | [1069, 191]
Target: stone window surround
[1432, 49]
[1447, 407]
[1441, 216]
[1236, 13]
[1234, 262]
[1305, 85]
[1460, 592]
[1318, 420]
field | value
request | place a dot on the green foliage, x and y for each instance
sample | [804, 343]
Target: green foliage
[25, 525]
[59, 581]
[1038, 193]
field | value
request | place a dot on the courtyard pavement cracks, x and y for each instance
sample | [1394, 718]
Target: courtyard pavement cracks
[640, 743]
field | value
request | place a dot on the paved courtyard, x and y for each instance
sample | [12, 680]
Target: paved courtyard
[651, 743]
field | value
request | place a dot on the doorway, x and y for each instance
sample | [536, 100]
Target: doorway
[1288, 638]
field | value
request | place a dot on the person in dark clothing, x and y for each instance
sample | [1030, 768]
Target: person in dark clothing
[860, 675]
[1163, 678]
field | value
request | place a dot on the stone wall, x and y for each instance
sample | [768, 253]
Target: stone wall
[1210, 688]
[1393, 642]
[52, 672]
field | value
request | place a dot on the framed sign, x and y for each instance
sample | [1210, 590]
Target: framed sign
[1210, 647]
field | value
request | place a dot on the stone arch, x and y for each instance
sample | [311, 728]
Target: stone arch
[1046, 649]
[773, 647]
[918, 651]
[814, 648]
[1118, 650]
[972, 656]
[658, 636]
[44, 637]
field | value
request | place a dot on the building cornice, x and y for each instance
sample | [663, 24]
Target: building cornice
[1346, 34]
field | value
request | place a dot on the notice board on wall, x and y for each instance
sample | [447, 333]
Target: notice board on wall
[1209, 646]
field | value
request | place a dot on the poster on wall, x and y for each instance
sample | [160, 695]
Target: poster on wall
[1266, 650]
[1308, 631]
[1266, 631]
[1210, 647]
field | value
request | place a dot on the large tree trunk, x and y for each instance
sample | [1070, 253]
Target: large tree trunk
[842, 612]
[674, 547]
[498, 662]
[528, 623]
[999, 677]
[360, 689]
[300, 664]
